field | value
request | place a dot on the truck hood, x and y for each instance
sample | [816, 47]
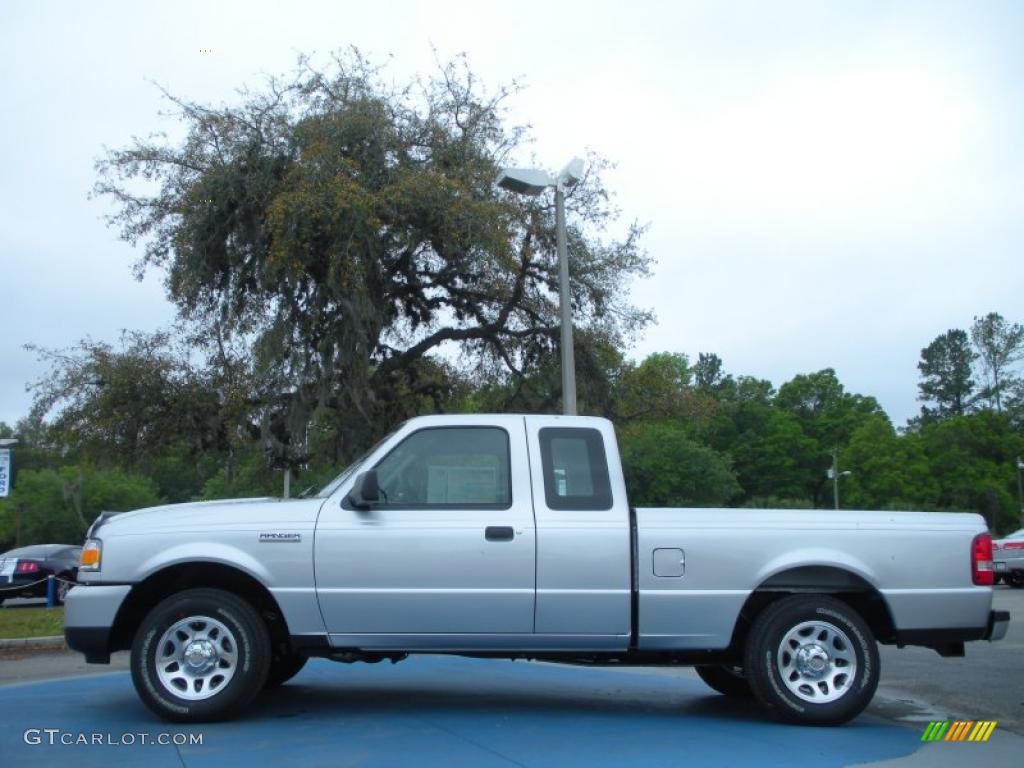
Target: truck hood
[221, 514]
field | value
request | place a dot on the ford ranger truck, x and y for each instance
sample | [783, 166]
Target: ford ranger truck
[512, 537]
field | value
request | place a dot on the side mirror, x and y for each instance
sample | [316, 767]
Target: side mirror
[365, 491]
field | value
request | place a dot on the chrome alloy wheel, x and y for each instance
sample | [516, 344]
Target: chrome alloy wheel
[817, 662]
[196, 657]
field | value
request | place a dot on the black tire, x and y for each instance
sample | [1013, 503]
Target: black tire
[729, 681]
[1015, 579]
[814, 637]
[60, 591]
[283, 668]
[227, 628]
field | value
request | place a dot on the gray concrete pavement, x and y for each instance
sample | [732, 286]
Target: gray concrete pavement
[987, 684]
[27, 666]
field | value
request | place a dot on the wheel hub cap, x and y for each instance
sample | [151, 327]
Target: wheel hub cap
[817, 662]
[812, 660]
[200, 654]
[196, 657]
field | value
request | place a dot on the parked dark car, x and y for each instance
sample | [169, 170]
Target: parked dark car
[23, 571]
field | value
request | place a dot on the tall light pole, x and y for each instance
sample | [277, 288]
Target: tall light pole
[532, 181]
[1020, 490]
[834, 474]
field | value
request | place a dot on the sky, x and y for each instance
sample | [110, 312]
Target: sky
[827, 184]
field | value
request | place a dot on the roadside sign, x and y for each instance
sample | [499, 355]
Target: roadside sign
[5, 471]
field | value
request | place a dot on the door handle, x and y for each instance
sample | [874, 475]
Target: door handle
[499, 533]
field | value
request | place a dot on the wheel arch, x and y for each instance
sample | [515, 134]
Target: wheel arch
[838, 582]
[171, 579]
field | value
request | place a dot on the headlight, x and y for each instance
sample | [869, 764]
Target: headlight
[90, 558]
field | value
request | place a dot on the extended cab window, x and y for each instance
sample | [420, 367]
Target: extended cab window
[575, 469]
[448, 467]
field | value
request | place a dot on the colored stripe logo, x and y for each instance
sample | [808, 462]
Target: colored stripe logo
[959, 730]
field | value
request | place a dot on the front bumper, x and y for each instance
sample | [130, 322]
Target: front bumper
[998, 623]
[89, 616]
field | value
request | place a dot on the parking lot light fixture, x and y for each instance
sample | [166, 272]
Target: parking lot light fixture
[533, 181]
[1020, 489]
[833, 474]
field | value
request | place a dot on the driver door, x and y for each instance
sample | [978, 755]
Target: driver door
[448, 552]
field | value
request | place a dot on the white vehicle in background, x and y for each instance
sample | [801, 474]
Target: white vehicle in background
[1008, 559]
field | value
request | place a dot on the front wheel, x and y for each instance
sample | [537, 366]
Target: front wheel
[200, 655]
[727, 680]
[812, 659]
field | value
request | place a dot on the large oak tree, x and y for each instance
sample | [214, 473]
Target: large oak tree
[348, 230]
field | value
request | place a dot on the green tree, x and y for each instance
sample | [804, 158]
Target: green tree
[972, 460]
[770, 452]
[827, 412]
[1000, 344]
[828, 415]
[889, 471]
[664, 467]
[55, 506]
[709, 373]
[946, 379]
[125, 406]
[655, 389]
[537, 386]
[352, 229]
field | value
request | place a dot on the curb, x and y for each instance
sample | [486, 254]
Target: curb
[55, 641]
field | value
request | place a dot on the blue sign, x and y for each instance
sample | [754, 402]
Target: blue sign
[5, 471]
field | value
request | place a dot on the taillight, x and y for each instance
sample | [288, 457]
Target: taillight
[1014, 545]
[981, 560]
[26, 566]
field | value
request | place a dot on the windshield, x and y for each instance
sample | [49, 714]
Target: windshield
[332, 486]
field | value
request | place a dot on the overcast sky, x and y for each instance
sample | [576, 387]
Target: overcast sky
[827, 183]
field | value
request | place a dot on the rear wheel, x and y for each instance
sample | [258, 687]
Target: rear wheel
[200, 655]
[812, 659]
[727, 680]
[1015, 579]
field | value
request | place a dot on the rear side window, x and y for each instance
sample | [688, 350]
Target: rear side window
[575, 469]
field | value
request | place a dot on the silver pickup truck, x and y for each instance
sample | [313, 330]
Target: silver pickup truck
[512, 537]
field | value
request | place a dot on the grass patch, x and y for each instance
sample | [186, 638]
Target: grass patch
[31, 622]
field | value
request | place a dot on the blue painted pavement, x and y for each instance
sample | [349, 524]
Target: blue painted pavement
[442, 711]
